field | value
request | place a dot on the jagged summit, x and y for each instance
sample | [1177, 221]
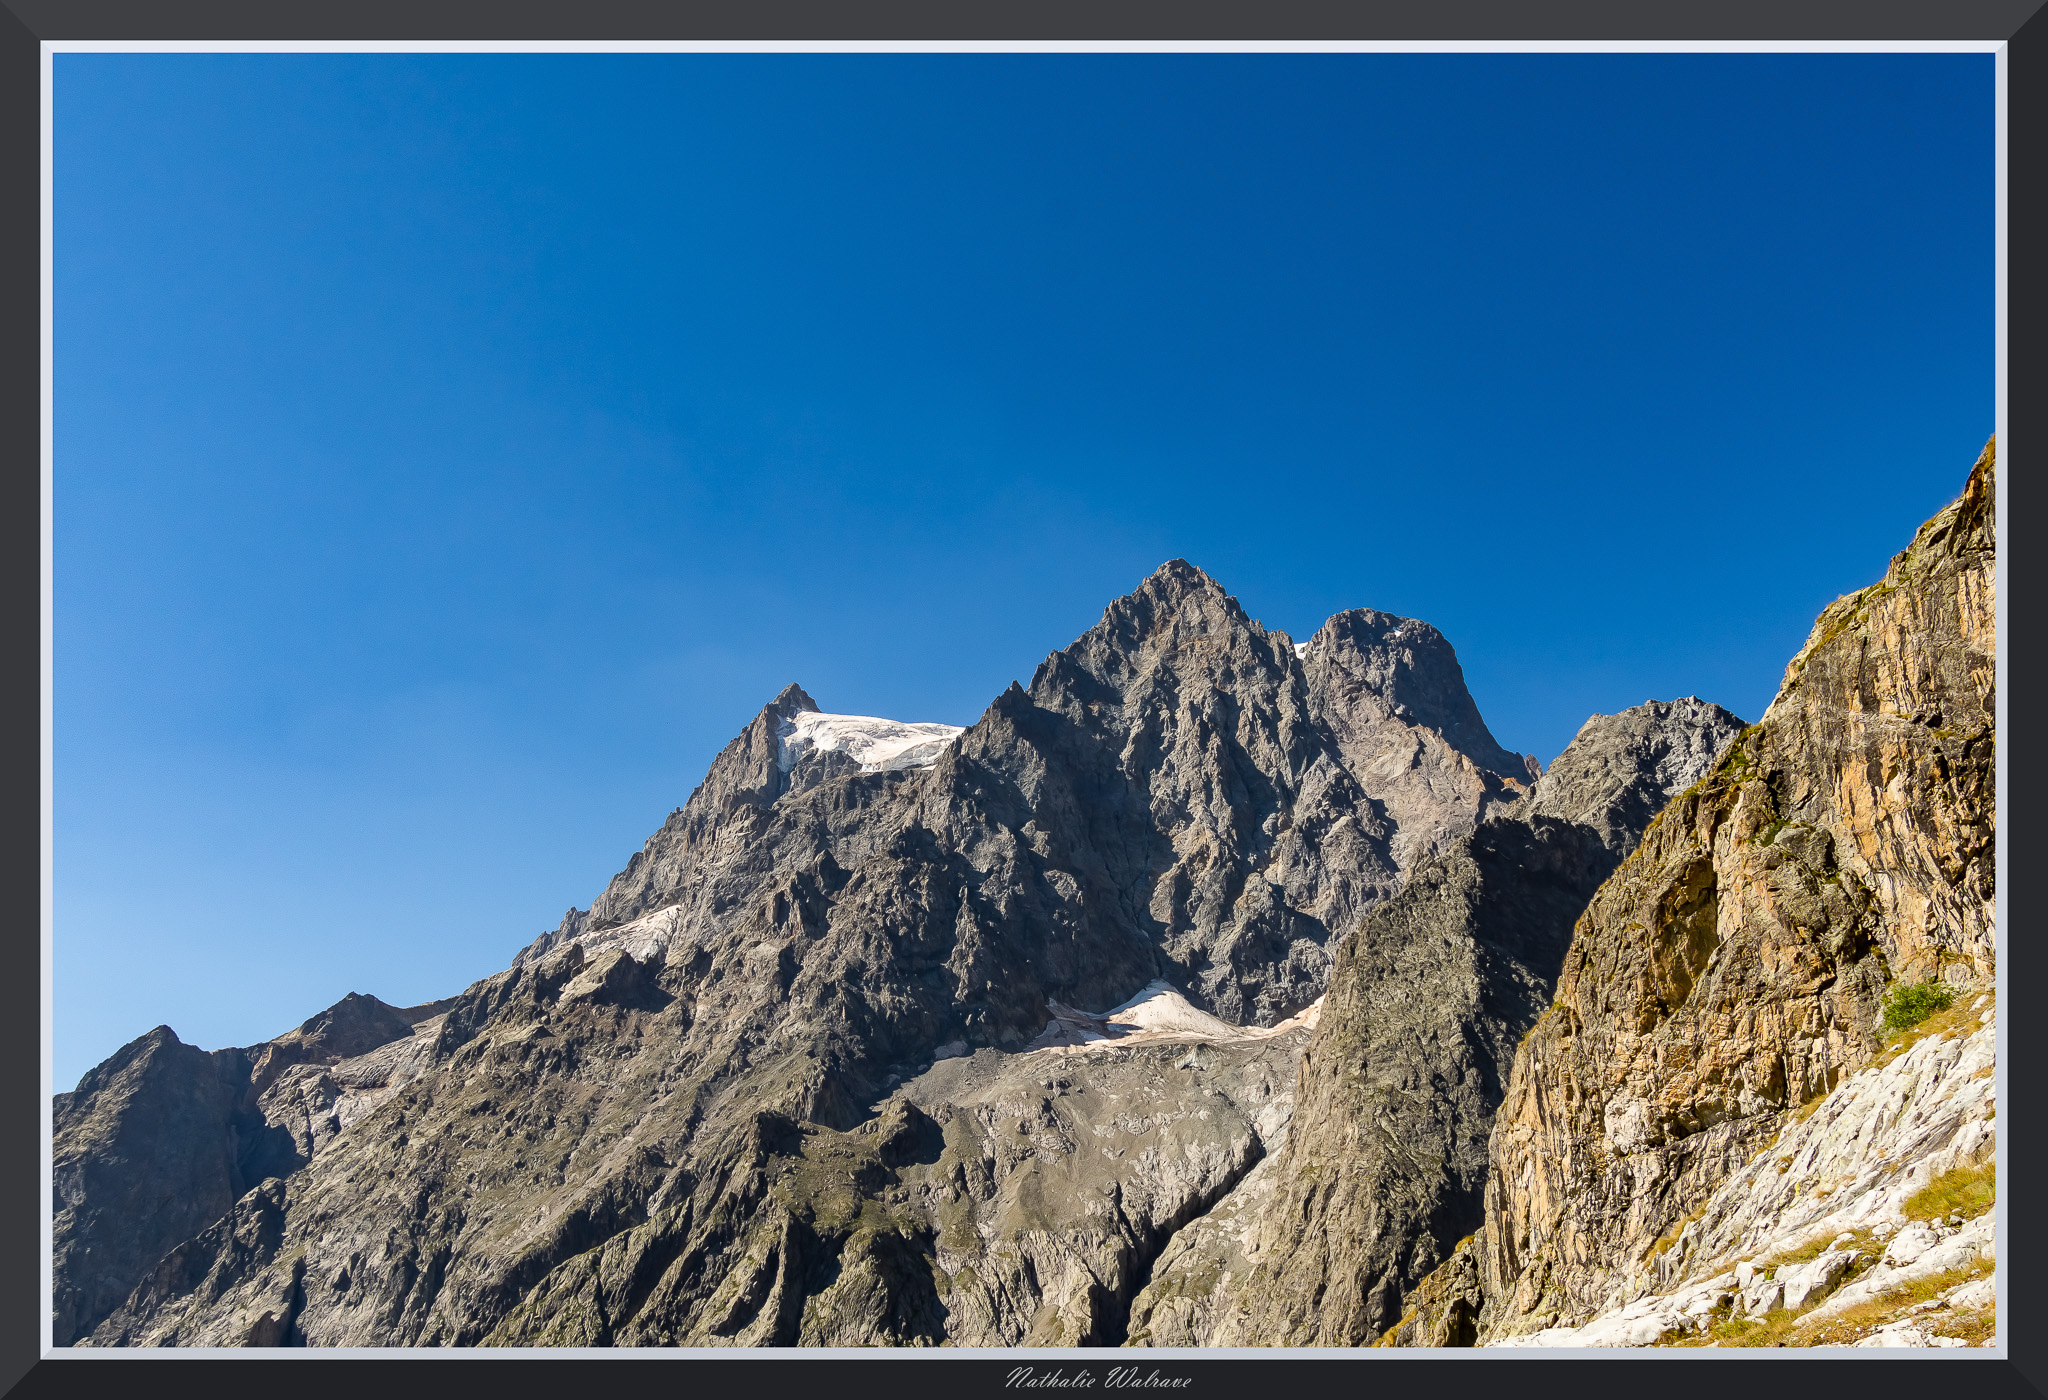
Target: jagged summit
[1405, 669]
[1177, 574]
[1619, 770]
[793, 700]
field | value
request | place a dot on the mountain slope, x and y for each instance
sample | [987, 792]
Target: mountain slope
[157, 1142]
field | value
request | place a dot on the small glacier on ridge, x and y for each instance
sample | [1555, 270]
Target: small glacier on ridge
[878, 745]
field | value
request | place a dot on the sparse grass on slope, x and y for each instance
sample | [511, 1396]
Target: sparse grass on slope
[1783, 1328]
[1968, 1191]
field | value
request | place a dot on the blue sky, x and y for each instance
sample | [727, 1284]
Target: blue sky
[454, 452]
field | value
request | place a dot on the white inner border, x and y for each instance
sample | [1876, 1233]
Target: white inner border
[1339, 46]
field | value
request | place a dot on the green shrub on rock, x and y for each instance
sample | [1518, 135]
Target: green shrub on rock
[1910, 1004]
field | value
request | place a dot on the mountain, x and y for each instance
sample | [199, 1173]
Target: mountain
[1181, 798]
[161, 1139]
[1212, 990]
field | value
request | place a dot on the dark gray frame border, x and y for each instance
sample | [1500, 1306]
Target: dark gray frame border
[1049, 19]
[24, 24]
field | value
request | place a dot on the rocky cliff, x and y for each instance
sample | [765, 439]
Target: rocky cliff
[634, 1132]
[1729, 974]
[1866, 1222]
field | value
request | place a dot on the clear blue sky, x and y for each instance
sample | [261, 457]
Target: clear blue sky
[454, 452]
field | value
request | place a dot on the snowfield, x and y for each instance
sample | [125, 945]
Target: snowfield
[878, 745]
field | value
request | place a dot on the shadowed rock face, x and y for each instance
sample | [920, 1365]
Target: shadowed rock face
[1731, 970]
[1383, 1169]
[144, 1159]
[157, 1143]
[595, 1142]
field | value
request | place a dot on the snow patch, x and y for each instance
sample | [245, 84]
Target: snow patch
[878, 745]
[1156, 1013]
[1301, 650]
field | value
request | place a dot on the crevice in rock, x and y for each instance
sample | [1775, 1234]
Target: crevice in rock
[1116, 1325]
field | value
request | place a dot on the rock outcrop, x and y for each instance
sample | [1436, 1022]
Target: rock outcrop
[1827, 1219]
[1427, 1002]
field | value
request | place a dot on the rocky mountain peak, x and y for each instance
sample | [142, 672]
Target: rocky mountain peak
[794, 700]
[355, 1025]
[1391, 695]
[1176, 611]
[744, 781]
[1174, 580]
[1368, 668]
[1620, 769]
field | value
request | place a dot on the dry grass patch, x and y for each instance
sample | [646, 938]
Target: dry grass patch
[1670, 1236]
[1854, 1324]
[1976, 1327]
[1813, 1249]
[1968, 1191]
[1810, 1107]
[1770, 1330]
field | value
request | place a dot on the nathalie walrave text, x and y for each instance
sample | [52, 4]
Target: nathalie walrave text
[1119, 1378]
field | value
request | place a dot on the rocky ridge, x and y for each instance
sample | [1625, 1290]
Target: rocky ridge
[158, 1142]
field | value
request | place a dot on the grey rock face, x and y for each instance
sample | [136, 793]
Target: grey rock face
[1621, 769]
[1429, 998]
[157, 1143]
[1393, 696]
